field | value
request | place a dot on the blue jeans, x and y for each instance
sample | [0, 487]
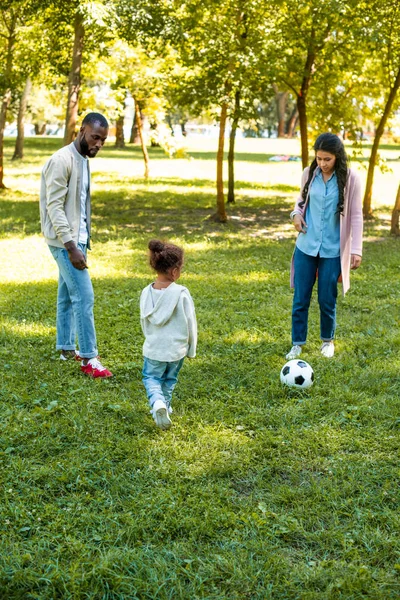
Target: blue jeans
[159, 379]
[305, 272]
[75, 302]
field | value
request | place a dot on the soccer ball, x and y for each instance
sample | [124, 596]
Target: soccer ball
[298, 374]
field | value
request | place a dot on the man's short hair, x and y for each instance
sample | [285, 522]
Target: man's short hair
[94, 118]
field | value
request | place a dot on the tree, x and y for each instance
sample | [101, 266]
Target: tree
[19, 142]
[382, 32]
[308, 34]
[9, 34]
[15, 16]
[138, 119]
[74, 79]
[141, 74]
[228, 47]
[75, 31]
[119, 132]
[222, 50]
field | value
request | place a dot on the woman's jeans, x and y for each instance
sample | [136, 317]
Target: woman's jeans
[75, 302]
[305, 272]
[159, 379]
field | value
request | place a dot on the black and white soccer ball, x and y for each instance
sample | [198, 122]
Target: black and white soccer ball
[298, 374]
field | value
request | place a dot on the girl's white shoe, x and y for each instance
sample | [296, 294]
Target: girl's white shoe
[160, 415]
[328, 349]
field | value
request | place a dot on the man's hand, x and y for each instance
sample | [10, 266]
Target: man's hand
[355, 261]
[76, 256]
[299, 223]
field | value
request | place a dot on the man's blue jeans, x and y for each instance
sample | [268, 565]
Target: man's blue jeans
[75, 302]
[159, 379]
[305, 272]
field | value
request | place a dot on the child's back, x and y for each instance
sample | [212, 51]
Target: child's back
[168, 321]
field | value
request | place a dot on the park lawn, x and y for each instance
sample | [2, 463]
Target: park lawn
[256, 492]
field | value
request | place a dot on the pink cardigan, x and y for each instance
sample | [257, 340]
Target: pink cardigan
[351, 223]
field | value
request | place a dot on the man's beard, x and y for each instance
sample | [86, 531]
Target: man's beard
[85, 147]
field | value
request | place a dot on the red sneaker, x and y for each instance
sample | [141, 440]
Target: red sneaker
[95, 369]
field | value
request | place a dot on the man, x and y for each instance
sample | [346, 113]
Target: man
[65, 220]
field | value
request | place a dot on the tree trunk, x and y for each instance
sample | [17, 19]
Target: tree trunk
[74, 81]
[375, 146]
[281, 102]
[119, 132]
[182, 123]
[40, 129]
[7, 93]
[19, 142]
[301, 106]
[395, 230]
[302, 98]
[3, 114]
[231, 154]
[135, 137]
[168, 119]
[292, 122]
[221, 213]
[138, 120]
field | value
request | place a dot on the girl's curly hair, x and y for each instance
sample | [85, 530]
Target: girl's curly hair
[164, 256]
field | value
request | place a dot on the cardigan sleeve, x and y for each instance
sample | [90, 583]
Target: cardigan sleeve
[190, 314]
[356, 216]
[298, 210]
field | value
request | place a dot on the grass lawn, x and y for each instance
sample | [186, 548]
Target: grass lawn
[256, 493]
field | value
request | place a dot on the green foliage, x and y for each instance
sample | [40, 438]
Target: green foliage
[18, 37]
[256, 493]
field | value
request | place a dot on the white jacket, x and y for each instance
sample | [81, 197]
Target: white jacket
[169, 325]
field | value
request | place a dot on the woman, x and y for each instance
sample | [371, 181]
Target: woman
[328, 217]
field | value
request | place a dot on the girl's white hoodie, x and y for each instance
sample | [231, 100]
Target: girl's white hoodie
[168, 323]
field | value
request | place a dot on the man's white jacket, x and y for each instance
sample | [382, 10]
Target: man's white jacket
[168, 323]
[60, 197]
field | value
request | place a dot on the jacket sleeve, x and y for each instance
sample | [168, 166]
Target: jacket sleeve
[298, 210]
[356, 216]
[190, 314]
[57, 176]
[142, 310]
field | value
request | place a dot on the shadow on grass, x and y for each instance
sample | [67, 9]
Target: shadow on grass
[187, 214]
[19, 217]
[116, 179]
[145, 210]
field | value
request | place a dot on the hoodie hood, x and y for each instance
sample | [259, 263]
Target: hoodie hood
[165, 304]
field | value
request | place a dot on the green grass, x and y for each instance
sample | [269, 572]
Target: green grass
[256, 492]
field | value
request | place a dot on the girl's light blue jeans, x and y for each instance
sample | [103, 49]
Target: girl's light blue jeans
[305, 273]
[75, 301]
[159, 379]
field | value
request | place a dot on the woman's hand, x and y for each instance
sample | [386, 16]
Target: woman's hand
[299, 223]
[355, 261]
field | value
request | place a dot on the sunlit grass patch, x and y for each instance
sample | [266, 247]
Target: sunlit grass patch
[28, 259]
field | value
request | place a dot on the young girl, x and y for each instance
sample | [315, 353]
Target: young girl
[168, 321]
[328, 217]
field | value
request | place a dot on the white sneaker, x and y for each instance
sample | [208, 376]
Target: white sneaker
[328, 349]
[294, 352]
[160, 415]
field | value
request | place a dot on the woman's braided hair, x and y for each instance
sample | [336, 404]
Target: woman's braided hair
[164, 256]
[329, 142]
